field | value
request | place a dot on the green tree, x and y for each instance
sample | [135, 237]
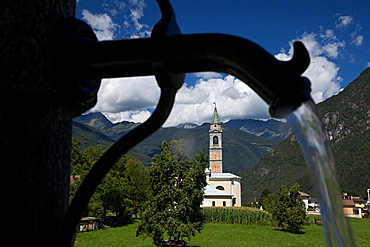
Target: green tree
[265, 192]
[82, 161]
[177, 186]
[137, 178]
[269, 202]
[123, 190]
[288, 210]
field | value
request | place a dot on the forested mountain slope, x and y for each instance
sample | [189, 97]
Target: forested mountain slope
[346, 117]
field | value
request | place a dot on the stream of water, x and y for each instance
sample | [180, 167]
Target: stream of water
[307, 125]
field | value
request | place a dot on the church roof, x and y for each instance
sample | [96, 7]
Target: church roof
[223, 175]
[212, 191]
[215, 117]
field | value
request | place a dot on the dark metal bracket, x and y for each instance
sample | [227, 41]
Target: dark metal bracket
[168, 55]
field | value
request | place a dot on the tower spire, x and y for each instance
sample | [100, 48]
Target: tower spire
[215, 117]
[215, 143]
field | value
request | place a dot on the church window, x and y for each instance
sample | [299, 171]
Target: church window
[224, 203]
[213, 203]
[215, 140]
[220, 187]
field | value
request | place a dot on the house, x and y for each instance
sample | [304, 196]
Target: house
[354, 207]
[311, 204]
[223, 189]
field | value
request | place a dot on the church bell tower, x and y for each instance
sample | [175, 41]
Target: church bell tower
[215, 143]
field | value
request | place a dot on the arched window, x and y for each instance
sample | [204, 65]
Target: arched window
[220, 187]
[215, 140]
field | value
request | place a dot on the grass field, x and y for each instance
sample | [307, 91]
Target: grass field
[226, 235]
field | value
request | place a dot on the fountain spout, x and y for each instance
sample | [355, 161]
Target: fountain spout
[278, 83]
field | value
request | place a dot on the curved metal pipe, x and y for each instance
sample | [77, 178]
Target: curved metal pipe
[278, 83]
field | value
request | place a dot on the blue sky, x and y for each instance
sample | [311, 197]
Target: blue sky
[336, 33]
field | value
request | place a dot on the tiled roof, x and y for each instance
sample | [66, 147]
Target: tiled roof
[348, 203]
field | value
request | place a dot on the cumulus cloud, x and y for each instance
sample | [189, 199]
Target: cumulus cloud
[127, 94]
[208, 75]
[235, 100]
[129, 99]
[344, 21]
[136, 29]
[119, 19]
[358, 40]
[322, 72]
[102, 24]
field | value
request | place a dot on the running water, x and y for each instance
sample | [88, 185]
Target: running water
[307, 126]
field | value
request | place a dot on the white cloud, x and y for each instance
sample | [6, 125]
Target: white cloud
[127, 94]
[233, 97]
[102, 24]
[106, 24]
[358, 41]
[132, 22]
[332, 49]
[208, 75]
[322, 73]
[131, 116]
[344, 21]
[137, 13]
[127, 100]
[368, 64]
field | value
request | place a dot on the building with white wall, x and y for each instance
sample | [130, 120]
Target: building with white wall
[223, 189]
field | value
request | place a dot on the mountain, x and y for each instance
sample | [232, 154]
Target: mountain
[90, 136]
[346, 119]
[98, 121]
[271, 129]
[187, 126]
[240, 149]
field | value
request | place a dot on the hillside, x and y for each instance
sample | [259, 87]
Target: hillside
[346, 119]
[102, 124]
[90, 136]
[241, 149]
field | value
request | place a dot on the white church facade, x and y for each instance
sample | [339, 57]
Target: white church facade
[223, 189]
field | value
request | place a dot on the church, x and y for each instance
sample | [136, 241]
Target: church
[223, 189]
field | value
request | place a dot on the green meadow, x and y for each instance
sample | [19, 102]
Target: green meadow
[225, 235]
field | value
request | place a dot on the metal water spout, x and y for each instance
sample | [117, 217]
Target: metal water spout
[167, 55]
